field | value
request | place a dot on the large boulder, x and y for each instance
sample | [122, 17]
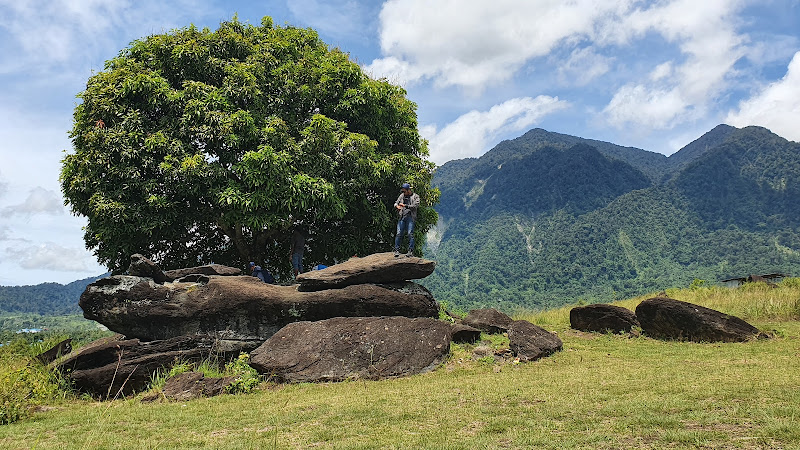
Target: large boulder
[529, 342]
[353, 347]
[117, 366]
[376, 268]
[602, 318]
[237, 307]
[666, 318]
[489, 320]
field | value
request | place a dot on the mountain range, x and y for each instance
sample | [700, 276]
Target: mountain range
[47, 299]
[548, 219]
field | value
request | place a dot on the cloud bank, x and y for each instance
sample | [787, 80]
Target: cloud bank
[49, 256]
[477, 45]
[776, 106]
[39, 201]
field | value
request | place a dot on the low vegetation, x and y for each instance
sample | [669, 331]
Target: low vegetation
[601, 391]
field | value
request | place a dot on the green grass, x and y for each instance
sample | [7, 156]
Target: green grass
[601, 391]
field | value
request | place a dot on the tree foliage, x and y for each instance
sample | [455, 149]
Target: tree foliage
[197, 146]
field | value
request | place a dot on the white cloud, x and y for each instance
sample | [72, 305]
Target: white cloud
[472, 44]
[3, 187]
[772, 48]
[469, 135]
[43, 34]
[50, 256]
[661, 71]
[776, 107]
[676, 93]
[583, 66]
[476, 44]
[39, 201]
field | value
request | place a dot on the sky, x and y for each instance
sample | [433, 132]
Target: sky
[649, 74]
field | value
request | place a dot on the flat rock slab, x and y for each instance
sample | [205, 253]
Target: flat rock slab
[530, 342]
[117, 366]
[62, 348]
[191, 385]
[237, 307]
[144, 267]
[353, 347]
[376, 268]
[602, 318]
[489, 320]
[209, 269]
[667, 318]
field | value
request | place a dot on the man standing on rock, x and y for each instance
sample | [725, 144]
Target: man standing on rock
[406, 205]
[298, 245]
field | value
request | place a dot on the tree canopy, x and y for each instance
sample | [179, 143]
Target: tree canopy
[199, 146]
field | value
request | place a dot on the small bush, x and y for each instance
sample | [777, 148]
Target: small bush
[24, 383]
[247, 378]
[697, 284]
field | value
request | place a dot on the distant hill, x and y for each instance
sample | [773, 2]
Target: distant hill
[47, 299]
[538, 225]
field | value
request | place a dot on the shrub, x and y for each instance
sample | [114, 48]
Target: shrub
[246, 377]
[24, 382]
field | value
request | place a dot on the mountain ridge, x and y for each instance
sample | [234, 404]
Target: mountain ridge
[47, 299]
[727, 205]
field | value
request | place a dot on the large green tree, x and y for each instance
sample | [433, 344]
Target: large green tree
[197, 146]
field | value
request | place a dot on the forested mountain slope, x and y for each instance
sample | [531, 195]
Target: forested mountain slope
[551, 226]
[48, 299]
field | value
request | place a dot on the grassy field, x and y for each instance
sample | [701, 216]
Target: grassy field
[601, 391]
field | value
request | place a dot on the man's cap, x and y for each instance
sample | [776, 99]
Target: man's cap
[405, 186]
[252, 264]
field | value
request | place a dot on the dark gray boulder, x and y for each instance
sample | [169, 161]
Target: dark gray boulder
[529, 342]
[117, 366]
[461, 334]
[237, 307]
[666, 318]
[376, 268]
[55, 352]
[143, 267]
[353, 347]
[209, 269]
[191, 385]
[489, 320]
[602, 318]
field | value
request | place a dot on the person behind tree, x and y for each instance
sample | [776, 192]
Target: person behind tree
[296, 250]
[406, 205]
[261, 274]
